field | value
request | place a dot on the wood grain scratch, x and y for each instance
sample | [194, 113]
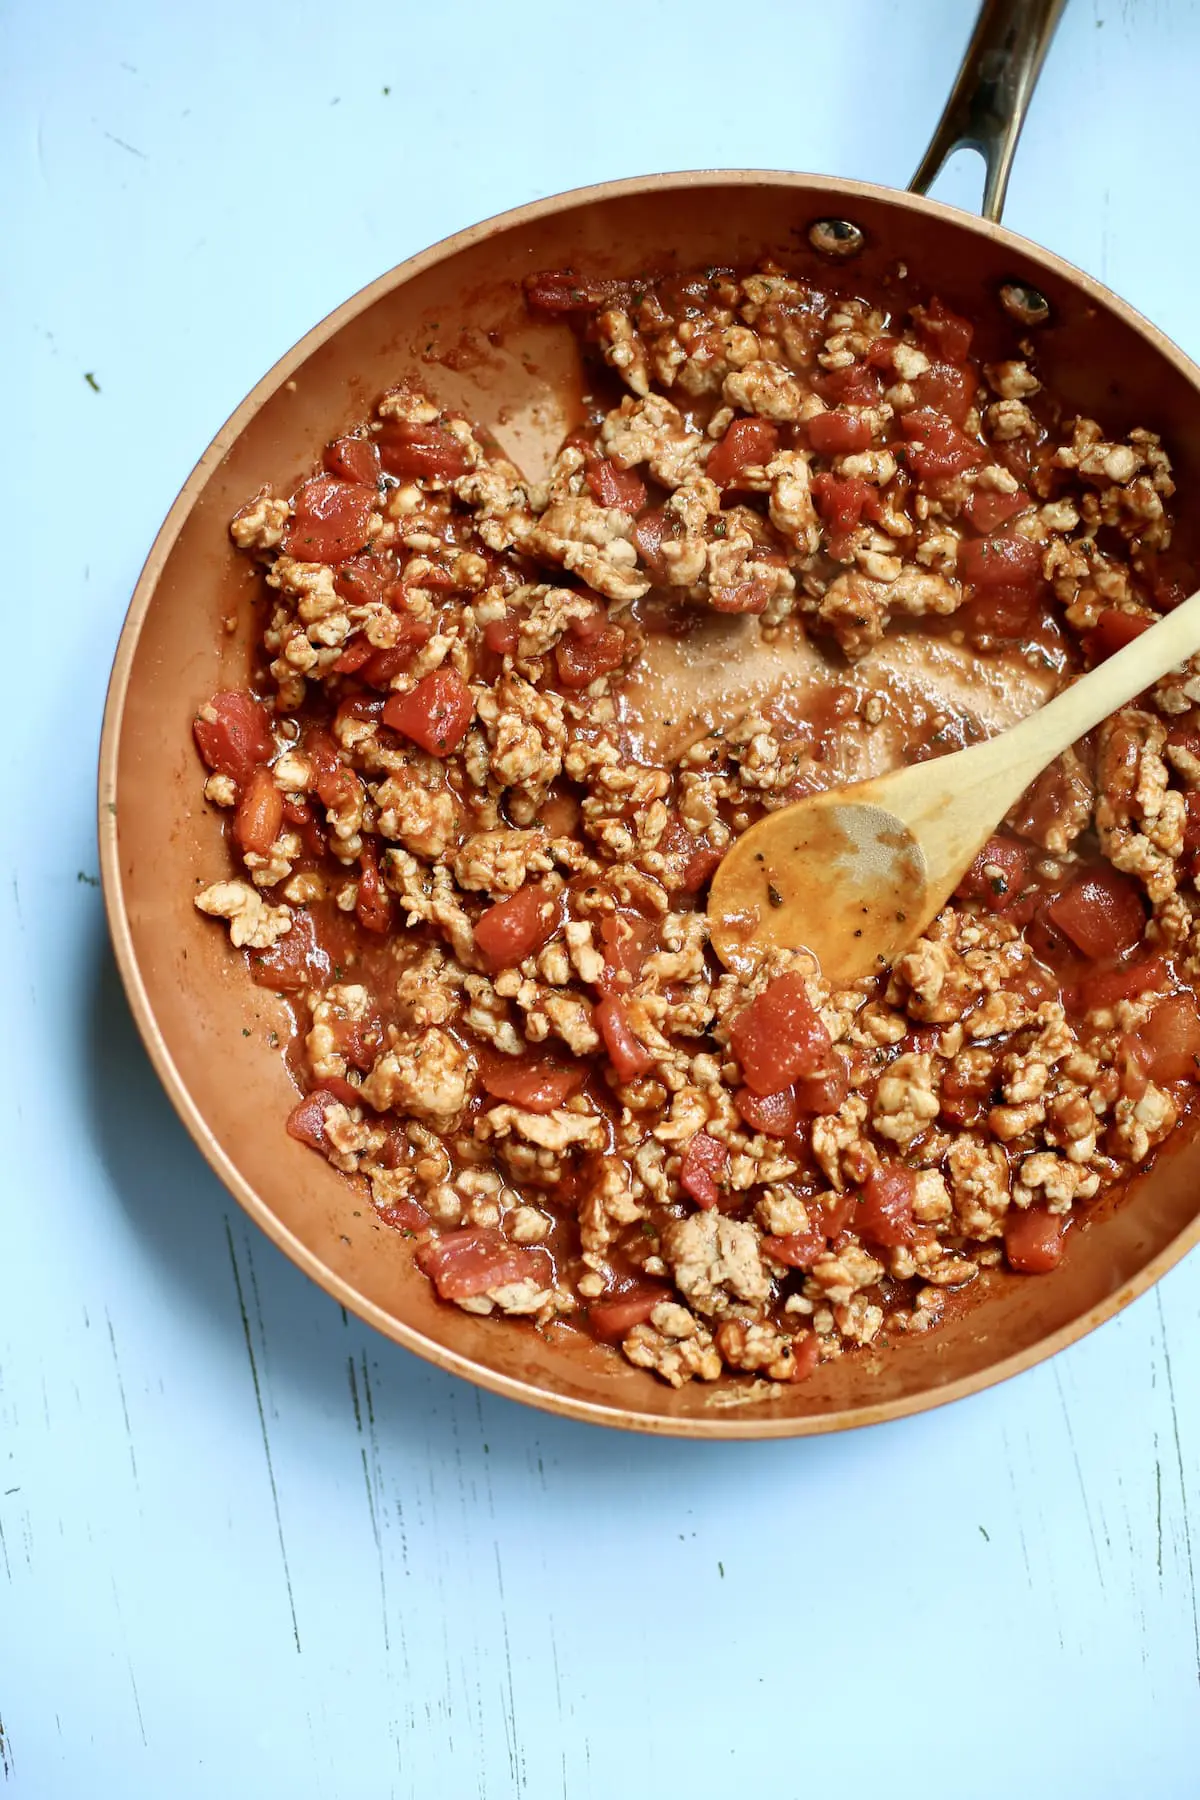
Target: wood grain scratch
[1183, 1497]
[369, 1485]
[262, 1421]
[6, 1755]
[112, 1338]
[1083, 1494]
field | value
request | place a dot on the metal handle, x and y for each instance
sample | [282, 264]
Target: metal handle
[986, 108]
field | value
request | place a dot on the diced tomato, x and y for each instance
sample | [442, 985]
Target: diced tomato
[293, 961]
[747, 443]
[836, 1213]
[322, 752]
[776, 1115]
[408, 1216]
[985, 508]
[329, 520]
[364, 580]
[502, 635]
[421, 452]
[616, 1318]
[259, 816]
[806, 1354]
[358, 651]
[944, 388]
[624, 937]
[1171, 1036]
[999, 874]
[374, 904]
[885, 1207]
[703, 862]
[238, 739]
[1033, 1240]
[341, 1090]
[1001, 612]
[621, 488]
[354, 459]
[1000, 562]
[628, 1056]
[581, 660]
[306, 1122]
[843, 501]
[937, 448]
[780, 1037]
[742, 597]
[945, 332]
[837, 433]
[858, 385]
[882, 353]
[534, 1080]
[1101, 912]
[517, 927]
[464, 1263]
[704, 1162]
[824, 1091]
[798, 1250]
[434, 714]
[1112, 631]
[1103, 990]
[561, 291]
[648, 535]
[384, 665]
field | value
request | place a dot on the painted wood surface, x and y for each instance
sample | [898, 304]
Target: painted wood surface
[247, 1548]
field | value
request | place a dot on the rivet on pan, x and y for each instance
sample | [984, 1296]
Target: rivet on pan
[835, 237]
[1024, 303]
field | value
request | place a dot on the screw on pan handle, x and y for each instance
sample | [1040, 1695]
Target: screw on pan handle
[986, 108]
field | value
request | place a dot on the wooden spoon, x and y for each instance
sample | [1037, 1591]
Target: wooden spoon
[856, 874]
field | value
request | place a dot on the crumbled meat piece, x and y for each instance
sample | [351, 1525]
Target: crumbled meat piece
[253, 925]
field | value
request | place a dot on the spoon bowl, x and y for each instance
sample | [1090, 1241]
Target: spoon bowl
[855, 875]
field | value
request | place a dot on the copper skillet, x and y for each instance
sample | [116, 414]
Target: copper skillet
[453, 318]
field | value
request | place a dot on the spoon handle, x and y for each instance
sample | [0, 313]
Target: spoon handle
[1045, 734]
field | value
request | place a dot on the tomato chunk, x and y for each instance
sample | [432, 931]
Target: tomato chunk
[936, 447]
[946, 332]
[616, 1318]
[238, 738]
[1171, 1036]
[747, 443]
[1112, 631]
[534, 1080]
[624, 937]
[306, 1122]
[380, 669]
[885, 1207]
[704, 1162]
[1033, 1240]
[421, 452]
[374, 904]
[621, 488]
[742, 597]
[329, 520]
[837, 433]
[780, 1036]
[1138, 977]
[464, 1263]
[844, 501]
[985, 508]
[629, 1057]
[502, 635]
[517, 927]
[365, 580]
[824, 1091]
[581, 660]
[292, 962]
[1101, 912]
[775, 1115]
[257, 821]
[798, 1250]
[857, 385]
[994, 562]
[354, 459]
[434, 714]
[947, 389]
[999, 874]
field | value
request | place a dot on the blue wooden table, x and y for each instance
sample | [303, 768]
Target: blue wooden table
[247, 1548]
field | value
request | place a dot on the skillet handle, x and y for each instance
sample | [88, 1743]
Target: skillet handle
[986, 108]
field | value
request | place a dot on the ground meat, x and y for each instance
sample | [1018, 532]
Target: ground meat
[487, 899]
